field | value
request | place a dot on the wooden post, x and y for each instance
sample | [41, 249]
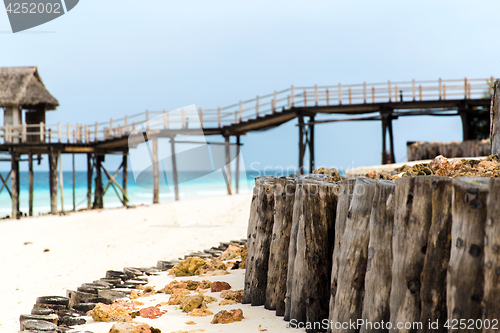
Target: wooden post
[265, 221]
[465, 88]
[437, 256]
[53, 180]
[237, 171]
[302, 147]
[465, 280]
[354, 255]
[315, 95]
[14, 183]
[440, 83]
[30, 177]
[346, 188]
[327, 97]
[379, 265]
[89, 180]
[340, 93]
[311, 144]
[305, 97]
[201, 118]
[384, 135]
[74, 185]
[292, 95]
[227, 168]
[174, 169]
[257, 107]
[391, 138]
[298, 206]
[412, 220]
[364, 92]
[491, 257]
[156, 174]
[125, 177]
[413, 89]
[389, 90]
[495, 119]
[61, 180]
[99, 191]
[309, 302]
[218, 117]
[284, 197]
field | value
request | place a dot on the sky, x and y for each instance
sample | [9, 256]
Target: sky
[105, 59]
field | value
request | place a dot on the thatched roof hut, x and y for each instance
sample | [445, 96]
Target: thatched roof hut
[22, 87]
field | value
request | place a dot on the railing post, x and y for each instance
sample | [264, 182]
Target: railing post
[373, 94]
[126, 123]
[350, 95]
[274, 101]
[470, 93]
[69, 133]
[59, 132]
[465, 88]
[201, 118]
[413, 89]
[95, 133]
[111, 127]
[327, 97]
[241, 110]
[316, 94]
[147, 119]
[305, 97]
[218, 117]
[420, 91]
[165, 119]
[440, 88]
[87, 136]
[364, 92]
[444, 91]
[340, 93]
[292, 91]
[42, 133]
[257, 106]
[396, 93]
[389, 90]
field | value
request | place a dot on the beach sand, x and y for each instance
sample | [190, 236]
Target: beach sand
[82, 246]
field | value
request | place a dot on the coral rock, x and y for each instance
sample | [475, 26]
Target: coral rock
[232, 252]
[188, 267]
[133, 328]
[227, 302]
[192, 303]
[226, 317]
[151, 312]
[113, 312]
[220, 286]
[200, 313]
[232, 295]
[178, 299]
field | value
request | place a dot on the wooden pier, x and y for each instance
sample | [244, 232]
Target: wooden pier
[33, 138]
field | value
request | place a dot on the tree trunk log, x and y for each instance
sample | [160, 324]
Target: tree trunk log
[379, 267]
[284, 197]
[412, 220]
[465, 279]
[354, 256]
[265, 221]
[298, 206]
[492, 256]
[346, 188]
[437, 256]
[495, 119]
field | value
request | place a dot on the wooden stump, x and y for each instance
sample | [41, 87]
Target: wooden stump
[298, 206]
[346, 188]
[492, 257]
[354, 256]
[284, 197]
[252, 235]
[260, 257]
[495, 119]
[437, 256]
[465, 279]
[412, 220]
[379, 266]
[312, 269]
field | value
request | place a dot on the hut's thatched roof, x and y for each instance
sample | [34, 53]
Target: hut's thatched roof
[23, 86]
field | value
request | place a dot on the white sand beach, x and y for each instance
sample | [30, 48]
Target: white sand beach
[82, 246]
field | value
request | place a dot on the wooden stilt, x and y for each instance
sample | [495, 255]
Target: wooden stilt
[89, 181]
[174, 169]
[227, 168]
[98, 192]
[156, 174]
[53, 180]
[384, 145]
[14, 179]
[311, 145]
[74, 179]
[464, 116]
[30, 168]
[302, 147]
[237, 173]
[495, 119]
[391, 139]
[125, 177]
[61, 180]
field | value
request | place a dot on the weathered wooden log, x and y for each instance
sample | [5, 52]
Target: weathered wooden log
[354, 256]
[252, 238]
[495, 119]
[437, 256]
[492, 258]
[284, 197]
[298, 206]
[412, 220]
[265, 221]
[312, 268]
[346, 188]
[465, 278]
[379, 266]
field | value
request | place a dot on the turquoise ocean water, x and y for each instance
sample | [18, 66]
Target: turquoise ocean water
[202, 186]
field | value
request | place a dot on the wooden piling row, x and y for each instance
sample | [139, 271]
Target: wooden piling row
[414, 254]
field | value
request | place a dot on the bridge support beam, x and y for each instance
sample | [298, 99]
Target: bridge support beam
[156, 173]
[306, 141]
[125, 177]
[387, 127]
[14, 187]
[302, 147]
[174, 169]
[237, 171]
[89, 180]
[53, 180]
[99, 191]
[227, 169]
[463, 111]
[311, 143]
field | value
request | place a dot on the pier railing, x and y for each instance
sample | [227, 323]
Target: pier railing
[278, 101]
